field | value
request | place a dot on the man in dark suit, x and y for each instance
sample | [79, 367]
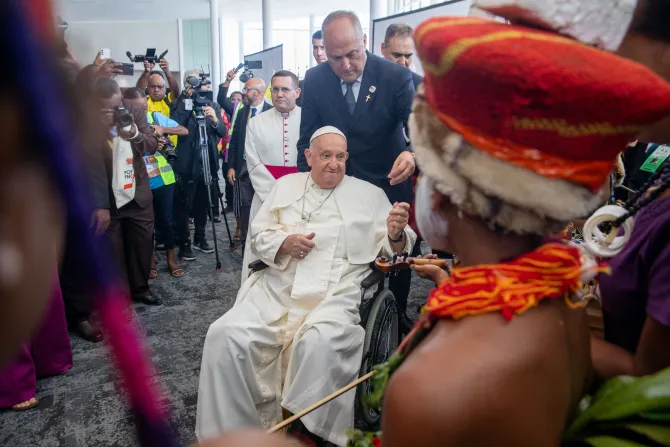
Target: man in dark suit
[367, 98]
[319, 53]
[398, 47]
[254, 100]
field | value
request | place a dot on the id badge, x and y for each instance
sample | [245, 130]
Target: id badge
[189, 104]
[656, 159]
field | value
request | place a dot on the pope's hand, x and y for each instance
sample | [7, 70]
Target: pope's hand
[297, 245]
[403, 168]
[397, 219]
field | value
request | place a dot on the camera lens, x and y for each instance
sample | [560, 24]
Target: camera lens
[122, 117]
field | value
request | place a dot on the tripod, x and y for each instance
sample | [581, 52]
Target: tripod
[223, 213]
[207, 172]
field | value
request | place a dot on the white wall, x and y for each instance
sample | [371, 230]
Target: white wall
[86, 38]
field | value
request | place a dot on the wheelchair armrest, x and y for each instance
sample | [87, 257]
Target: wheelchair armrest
[374, 278]
[257, 266]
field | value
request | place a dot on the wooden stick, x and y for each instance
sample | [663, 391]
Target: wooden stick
[320, 403]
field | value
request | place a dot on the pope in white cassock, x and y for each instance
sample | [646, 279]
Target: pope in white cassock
[293, 335]
[271, 146]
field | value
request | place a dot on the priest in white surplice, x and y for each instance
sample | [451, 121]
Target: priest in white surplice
[271, 146]
[293, 335]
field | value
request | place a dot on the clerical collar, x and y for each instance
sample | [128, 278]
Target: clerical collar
[285, 114]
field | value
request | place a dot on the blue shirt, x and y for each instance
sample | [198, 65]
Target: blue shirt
[356, 87]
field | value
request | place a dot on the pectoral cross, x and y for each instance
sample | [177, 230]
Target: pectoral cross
[367, 98]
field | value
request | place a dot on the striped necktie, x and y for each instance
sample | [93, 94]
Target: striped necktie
[349, 97]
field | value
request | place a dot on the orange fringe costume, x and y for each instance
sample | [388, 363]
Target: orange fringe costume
[552, 271]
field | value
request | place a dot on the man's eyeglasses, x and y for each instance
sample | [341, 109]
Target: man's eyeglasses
[157, 87]
[284, 90]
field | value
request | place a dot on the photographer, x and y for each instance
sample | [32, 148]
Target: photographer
[161, 176]
[157, 92]
[191, 193]
[130, 231]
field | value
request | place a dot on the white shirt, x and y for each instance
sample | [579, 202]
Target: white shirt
[356, 88]
[259, 108]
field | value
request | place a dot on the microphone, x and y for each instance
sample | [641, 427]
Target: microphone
[130, 56]
[162, 55]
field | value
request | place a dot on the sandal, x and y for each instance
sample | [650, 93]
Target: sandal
[153, 274]
[177, 272]
[27, 405]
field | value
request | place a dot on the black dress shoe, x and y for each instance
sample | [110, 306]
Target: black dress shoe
[150, 300]
[89, 331]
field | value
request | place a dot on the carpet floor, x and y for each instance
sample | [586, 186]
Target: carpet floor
[84, 408]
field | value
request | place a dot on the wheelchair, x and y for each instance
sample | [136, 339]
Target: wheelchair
[380, 320]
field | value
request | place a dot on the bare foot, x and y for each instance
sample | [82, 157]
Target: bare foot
[27, 405]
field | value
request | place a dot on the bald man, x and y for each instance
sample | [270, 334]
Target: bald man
[293, 336]
[253, 96]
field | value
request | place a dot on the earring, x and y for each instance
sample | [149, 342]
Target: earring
[10, 264]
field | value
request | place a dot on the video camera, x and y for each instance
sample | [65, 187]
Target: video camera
[150, 56]
[200, 97]
[248, 66]
[204, 80]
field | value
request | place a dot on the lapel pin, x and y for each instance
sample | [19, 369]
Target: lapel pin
[373, 89]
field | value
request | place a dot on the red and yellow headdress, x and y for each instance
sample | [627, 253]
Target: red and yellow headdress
[521, 126]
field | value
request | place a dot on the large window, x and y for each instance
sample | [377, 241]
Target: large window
[197, 48]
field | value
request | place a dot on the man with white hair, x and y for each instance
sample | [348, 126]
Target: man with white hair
[293, 336]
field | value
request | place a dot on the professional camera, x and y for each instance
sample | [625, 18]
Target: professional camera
[150, 56]
[200, 97]
[169, 151]
[123, 118]
[248, 66]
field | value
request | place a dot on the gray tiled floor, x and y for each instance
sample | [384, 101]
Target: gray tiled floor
[84, 408]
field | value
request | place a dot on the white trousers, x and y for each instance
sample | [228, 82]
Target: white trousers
[245, 357]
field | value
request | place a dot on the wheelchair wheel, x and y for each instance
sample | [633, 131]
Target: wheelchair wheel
[381, 340]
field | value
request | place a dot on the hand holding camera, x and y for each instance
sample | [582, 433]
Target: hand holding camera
[149, 66]
[124, 123]
[130, 134]
[209, 112]
[165, 65]
[109, 68]
[158, 130]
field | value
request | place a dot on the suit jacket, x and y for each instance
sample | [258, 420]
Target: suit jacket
[374, 132]
[301, 86]
[224, 101]
[239, 138]
[145, 142]
[416, 80]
